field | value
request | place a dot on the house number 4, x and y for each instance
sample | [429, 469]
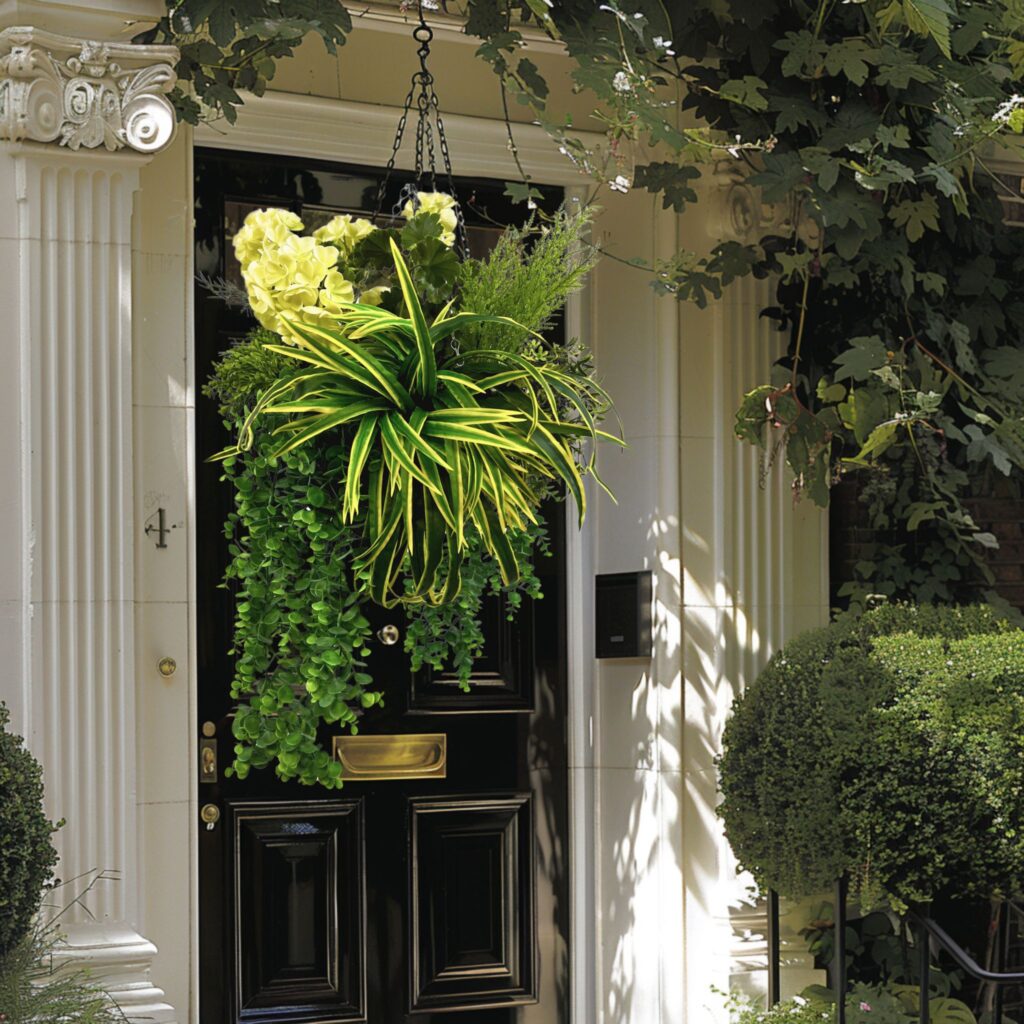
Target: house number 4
[157, 524]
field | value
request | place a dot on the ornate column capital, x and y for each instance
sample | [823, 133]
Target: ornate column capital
[745, 217]
[85, 94]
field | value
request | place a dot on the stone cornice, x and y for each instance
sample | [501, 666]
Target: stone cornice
[81, 93]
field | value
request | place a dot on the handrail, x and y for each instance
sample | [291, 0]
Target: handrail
[927, 928]
[962, 957]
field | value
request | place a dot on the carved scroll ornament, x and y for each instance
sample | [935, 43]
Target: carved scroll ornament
[79, 93]
[745, 217]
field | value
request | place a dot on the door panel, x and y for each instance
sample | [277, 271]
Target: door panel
[439, 893]
[299, 892]
[472, 899]
[502, 678]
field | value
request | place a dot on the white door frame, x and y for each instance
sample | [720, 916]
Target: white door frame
[315, 128]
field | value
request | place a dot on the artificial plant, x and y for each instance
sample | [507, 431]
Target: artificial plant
[393, 446]
[442, 439]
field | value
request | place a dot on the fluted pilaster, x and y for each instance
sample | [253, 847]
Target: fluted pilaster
[754, 575]
[90, 114]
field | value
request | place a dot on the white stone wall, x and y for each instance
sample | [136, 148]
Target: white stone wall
[79, 121]
[738, 571]
[163, 402]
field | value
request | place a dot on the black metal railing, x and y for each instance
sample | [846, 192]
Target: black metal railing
[928, 932]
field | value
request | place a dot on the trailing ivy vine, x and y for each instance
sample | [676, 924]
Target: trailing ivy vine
[874, 124]
[393, 446]
[301, 635]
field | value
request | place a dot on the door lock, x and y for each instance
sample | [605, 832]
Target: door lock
[210, 814]
[207, 759]
[389, 635]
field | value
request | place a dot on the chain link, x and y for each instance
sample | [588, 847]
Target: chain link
[428, 138]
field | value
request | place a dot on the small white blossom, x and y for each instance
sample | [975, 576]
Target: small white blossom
[1002, 115]
[621, 82]
[661, 43]
[620, 184]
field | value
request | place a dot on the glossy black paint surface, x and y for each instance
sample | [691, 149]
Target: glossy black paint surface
[392, 902]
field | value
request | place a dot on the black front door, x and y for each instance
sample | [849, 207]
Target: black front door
[436, 880]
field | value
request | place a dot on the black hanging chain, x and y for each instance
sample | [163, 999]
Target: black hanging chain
[430, 136]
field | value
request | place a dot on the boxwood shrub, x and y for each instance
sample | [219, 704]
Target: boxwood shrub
[27, 856]
[891, 748]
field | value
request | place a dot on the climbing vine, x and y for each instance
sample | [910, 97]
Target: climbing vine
[877, 127]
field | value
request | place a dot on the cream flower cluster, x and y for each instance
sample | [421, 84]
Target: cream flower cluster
[435, 202]
[344, 231]
[294, 277]
[286, 273]
[264, 228]
[289, 273]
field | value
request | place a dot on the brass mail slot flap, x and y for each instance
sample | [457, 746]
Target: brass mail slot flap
[420, 755]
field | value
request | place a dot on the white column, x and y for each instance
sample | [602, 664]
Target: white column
[755, 573]
[80, 119]
[636, 769]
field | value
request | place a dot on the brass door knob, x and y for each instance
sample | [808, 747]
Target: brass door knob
[210, 814]
[389, 635]
[167, 667]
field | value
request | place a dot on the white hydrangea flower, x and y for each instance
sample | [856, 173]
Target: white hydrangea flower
[261, 228]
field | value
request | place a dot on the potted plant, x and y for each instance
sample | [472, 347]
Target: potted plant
[400, 418]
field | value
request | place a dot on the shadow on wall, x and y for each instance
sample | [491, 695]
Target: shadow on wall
[641, 827]
[670, 891]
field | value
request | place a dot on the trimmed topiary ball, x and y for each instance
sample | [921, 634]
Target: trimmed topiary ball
[890, 747]
[27, 856]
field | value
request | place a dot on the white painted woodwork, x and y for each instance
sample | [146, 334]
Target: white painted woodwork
[362, 134]
[67, 513]
[84, 93]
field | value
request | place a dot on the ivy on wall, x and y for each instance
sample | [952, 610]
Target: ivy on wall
[874, 125]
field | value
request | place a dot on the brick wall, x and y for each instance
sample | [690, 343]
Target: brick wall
[1002, 513]
[998, 510]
